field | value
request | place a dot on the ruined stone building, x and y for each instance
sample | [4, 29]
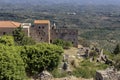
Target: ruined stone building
[41, 31]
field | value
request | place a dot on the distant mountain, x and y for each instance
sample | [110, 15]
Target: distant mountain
[74, 2]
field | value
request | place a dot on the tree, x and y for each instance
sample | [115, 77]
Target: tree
[11, 64]
[117, 49]
[18, 35]
[21, 39]
[7, 40]
[41, 57]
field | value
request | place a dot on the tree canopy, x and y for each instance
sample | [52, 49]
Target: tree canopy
[7, 40]
[41, 57]
[11, 64]
[20, 38]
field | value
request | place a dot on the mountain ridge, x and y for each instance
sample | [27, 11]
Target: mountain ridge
[49, 2]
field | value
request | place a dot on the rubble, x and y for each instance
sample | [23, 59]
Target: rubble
[108, 74]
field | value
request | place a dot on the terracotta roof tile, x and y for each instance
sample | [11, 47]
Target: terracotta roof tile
[9, 24]
[41, 22]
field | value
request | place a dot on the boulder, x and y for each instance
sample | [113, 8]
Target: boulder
[45, 75]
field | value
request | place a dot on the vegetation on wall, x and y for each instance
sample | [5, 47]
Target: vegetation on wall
[62, 43]
[20, 38]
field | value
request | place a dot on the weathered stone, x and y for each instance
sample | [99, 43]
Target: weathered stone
[108, 74]
[44, 76]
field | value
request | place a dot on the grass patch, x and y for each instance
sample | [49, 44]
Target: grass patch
[88, 69]
[58, 73]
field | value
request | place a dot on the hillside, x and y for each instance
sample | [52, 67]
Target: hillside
[96, 23]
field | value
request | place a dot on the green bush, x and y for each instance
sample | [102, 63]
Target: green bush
[11, 64]
[28, 41]
[64, 44]
[7, 40]
[41, 56]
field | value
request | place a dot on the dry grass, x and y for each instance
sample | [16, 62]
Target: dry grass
[70, 78]
[72, 51]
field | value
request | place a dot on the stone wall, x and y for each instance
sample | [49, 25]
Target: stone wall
[9, 31]
[41, 32]
[65, 34]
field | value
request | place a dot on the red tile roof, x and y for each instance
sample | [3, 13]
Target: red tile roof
[9, 24]
[41, 22]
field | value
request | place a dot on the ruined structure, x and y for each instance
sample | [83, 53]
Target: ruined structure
[65, 34]
[41, 31]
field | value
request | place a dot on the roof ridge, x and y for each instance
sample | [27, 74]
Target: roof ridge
[13, 23]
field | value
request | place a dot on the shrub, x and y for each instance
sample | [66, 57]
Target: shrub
[11, 64]
[27, 41]
[117, 49]
[41, 56]
[7, 40]
[21, 39]
[117, 61]
[62, 43]
[58, 73]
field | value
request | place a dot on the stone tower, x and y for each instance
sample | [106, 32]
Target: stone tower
[41, 31]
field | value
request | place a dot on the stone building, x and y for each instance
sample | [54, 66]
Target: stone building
[7, 27]
[44, 32]
[65, 34]
[41, 31]
[26, 28]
